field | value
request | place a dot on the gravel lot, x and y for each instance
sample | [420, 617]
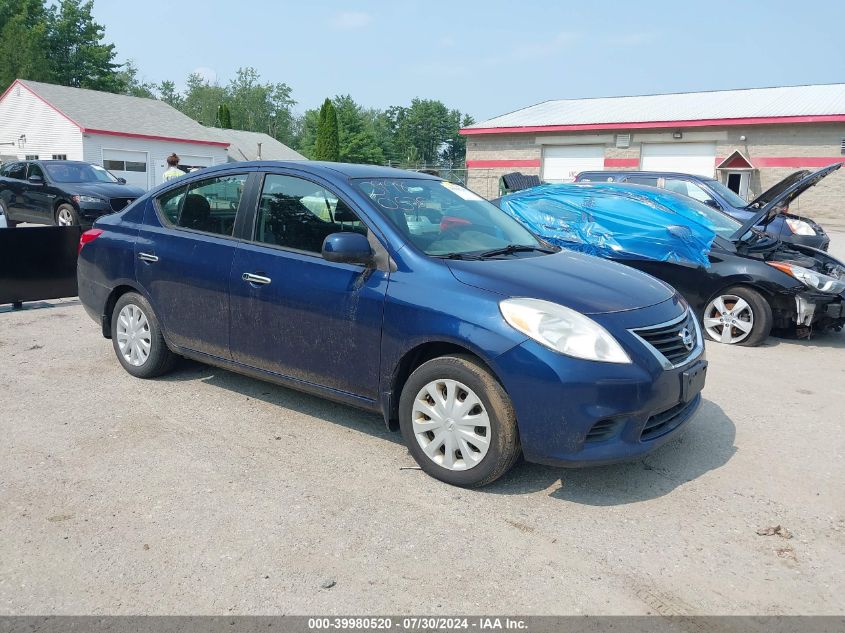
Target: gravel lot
[209, 493]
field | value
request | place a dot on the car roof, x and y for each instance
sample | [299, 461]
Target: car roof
[658, 174]
[321, 168]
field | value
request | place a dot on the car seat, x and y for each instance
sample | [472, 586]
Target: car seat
[196, 214]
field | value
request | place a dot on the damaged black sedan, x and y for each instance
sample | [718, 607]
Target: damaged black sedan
[742, 283]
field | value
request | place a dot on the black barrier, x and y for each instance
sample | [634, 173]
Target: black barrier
[38, 263]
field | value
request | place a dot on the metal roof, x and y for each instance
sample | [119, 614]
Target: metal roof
[104, 112]
[753, 103]
[244, 146]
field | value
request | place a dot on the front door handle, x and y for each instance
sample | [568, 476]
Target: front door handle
[256, 279]
[147, 257]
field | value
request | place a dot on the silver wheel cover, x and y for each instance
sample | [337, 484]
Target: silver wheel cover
[133, 335]
[728, 319]
[451, 424]
[65, 217]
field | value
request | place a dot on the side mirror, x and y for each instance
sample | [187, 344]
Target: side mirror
[347, 248]
[121, 181]
[710, 202]
[36, 180]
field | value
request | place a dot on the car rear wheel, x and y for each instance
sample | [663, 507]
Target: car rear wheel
[458, 422]
[5, 217]
[738, 316]
[137, 339]
[66, 215]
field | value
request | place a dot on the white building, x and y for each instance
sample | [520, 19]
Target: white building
[129, 136]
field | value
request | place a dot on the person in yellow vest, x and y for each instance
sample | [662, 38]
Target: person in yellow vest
[173, 170]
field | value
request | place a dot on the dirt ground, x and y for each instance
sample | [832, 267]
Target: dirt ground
[209, 493]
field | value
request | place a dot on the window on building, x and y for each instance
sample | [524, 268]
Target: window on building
[125, 165]
[299, 214]
[31, 157]
[59, 156]
[208, 205]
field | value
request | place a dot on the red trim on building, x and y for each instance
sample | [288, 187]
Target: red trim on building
[637, 125]
[153, 137]
[797, 161]
[531, 162]
[622, 162]
[18, 82]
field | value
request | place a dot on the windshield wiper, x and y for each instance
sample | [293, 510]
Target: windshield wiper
[466, 256]
[514, 248]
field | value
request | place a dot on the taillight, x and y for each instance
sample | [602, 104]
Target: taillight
[89, 236]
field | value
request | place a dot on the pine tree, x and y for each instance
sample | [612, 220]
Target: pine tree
[328, 138]
[224, 117]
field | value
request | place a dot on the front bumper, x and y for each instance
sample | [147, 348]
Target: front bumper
[90, 211]
[819, 310]
[574, 412]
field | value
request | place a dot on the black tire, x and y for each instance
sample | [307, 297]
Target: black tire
[760, 309]
[65, 207]
[504, 446]
[160, 359]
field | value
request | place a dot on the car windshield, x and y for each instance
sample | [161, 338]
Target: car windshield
[723, 224]
[443, 219]
[729, 195]
[78, 172]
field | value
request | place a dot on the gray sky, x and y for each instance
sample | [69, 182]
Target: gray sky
[483, 57]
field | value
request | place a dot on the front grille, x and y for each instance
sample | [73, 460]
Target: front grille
[119, 203]
[667, 340]
[664, 422]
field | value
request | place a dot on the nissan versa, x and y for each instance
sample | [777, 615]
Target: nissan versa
[404, 294]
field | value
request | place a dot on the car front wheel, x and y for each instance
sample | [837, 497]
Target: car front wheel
[738, 316]
[66, 215]
[137, 338]
[458, 422]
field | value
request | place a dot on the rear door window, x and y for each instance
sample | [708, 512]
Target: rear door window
[208, 205]
[17, 171]
[687, 188]
[651, 181]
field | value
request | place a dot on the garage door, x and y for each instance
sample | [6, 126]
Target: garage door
[561, 163]
[687, 158]
[129, 165]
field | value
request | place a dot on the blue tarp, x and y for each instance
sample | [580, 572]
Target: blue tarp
[611, 220]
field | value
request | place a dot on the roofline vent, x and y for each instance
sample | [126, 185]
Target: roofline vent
[623, 141]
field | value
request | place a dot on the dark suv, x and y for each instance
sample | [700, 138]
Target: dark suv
[60, 192]
[785, 226]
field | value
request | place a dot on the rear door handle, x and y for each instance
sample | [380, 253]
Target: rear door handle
[147, 257]
[256, 279]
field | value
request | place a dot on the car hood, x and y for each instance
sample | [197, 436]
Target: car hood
[581, 282]
[103, 189]
[775, 190]
[783, 199]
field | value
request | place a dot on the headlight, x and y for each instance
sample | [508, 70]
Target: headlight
[810, 278]
[799, 227]
[78, 199]
[563, 330]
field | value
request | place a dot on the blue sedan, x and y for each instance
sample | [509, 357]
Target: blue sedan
[403, 294]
